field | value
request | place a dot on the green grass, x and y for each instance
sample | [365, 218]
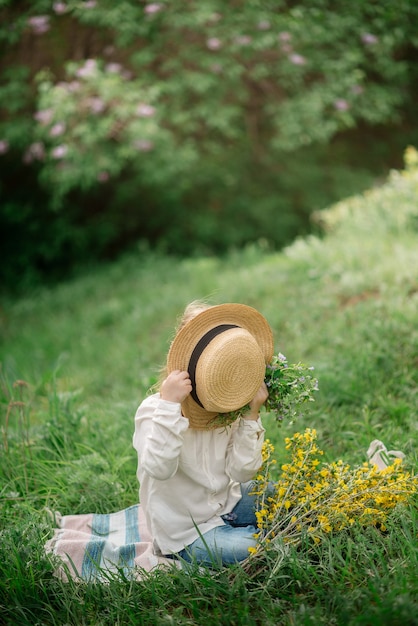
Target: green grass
[87, 351]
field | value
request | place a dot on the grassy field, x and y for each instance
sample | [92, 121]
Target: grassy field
[76, 361]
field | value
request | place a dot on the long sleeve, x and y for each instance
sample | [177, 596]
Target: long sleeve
[158, 437]
[244, 452]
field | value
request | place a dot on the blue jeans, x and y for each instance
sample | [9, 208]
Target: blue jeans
[227, 544]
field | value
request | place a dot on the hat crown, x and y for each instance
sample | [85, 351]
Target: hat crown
[229, 371]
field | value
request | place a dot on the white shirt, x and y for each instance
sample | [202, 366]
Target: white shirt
[188, 477]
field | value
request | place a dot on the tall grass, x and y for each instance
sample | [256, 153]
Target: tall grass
[78, 359]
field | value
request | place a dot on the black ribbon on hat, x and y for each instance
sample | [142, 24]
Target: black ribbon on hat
[198, 349]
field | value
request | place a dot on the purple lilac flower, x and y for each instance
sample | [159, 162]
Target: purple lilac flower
[103, 177]
[59, 152]
[213, 43]
[145, 110]
[143, 145]
[35, 152]
[286, 48]
[281, 357]
[284, 36]
[153, 7]
[88, 69]
[243, 40]
[89, 4]
[263, 25]
[69, 87]
[96, 105]
[74, 85]
[113, 68]
[297, 59]
[44, 116]
[57, 129]
[39, 24]
[59, 7]
[341, 104]
[4, 146]
[38, 150]
[369, 39]
[357, 89]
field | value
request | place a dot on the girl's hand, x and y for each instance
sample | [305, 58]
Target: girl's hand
[257, 402]
[176, 387]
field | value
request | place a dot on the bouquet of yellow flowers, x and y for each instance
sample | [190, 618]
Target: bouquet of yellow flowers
[313, 498]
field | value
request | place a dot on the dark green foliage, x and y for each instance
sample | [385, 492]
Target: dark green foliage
[194, 126]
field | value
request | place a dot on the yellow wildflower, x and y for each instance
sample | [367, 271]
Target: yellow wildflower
[325, 497]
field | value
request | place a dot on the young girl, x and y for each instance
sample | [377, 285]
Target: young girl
[194, 475]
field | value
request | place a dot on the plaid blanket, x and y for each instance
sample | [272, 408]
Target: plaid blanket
[92, 546]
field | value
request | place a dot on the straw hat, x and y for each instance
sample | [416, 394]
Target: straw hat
[225, 349]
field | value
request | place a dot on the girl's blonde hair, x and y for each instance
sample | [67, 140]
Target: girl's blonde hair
[191, 310]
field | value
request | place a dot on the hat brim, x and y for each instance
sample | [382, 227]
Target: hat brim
[186, 339]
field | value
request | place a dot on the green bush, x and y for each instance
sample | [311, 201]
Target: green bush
[193, 126]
